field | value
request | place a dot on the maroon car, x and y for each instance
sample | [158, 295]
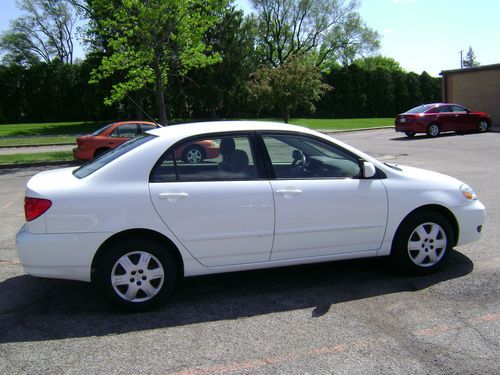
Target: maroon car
[435, 118]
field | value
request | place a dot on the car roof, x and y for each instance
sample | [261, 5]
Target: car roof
[197, 128]
[132, 122]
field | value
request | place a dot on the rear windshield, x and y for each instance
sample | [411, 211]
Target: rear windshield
[420, 109]
[115, 153]
[99, 131]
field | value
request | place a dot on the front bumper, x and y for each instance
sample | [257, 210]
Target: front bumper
[470, 220]
[59, 256]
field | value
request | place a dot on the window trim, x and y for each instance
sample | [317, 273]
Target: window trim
[268, 162]
[261, 175]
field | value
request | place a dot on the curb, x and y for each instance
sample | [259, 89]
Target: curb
[353, 130]
[68, 163]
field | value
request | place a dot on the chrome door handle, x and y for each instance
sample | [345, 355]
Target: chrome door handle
[173, 195]
[288, 193]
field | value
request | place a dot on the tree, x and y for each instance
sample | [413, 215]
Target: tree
[470, 59]
[379, 61]
[43, 33]
[152, 41]
[329, 30]
[292, 85]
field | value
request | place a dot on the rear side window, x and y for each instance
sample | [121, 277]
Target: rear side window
[216, 158]
[115, 153]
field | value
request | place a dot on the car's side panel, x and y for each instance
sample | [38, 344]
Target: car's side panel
[328, 217]
[219, 222]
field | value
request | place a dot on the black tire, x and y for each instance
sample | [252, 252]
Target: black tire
[482, 126]
[422, 242]
[193, 154]
[433, 130]
[138, 287]
[100, 151]
[410, 134]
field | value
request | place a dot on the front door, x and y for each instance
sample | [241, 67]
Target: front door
[323, 206]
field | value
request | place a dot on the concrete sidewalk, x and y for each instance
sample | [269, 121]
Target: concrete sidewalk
[35, 149]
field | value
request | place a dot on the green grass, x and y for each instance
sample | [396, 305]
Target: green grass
[339, 124]
[36, 141]
[50, 128]
[41, 157]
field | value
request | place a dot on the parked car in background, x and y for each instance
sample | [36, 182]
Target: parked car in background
[137, 219]
[112, 135]
[435, 118]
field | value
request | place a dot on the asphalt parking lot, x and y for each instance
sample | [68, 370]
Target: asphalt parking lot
[354, 317]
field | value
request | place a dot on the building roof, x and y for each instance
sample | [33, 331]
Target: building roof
[470, 70]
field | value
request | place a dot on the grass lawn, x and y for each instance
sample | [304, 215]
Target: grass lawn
[50, 128]
[342, 124]
[41, 157]
[36, 141]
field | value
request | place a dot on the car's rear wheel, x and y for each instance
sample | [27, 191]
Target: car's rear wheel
[482, 127]
[193, 154]
[137, 274]
[422, 242]
[410, 134]
[433, 130]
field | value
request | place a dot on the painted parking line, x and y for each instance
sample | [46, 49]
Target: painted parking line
[333, 349]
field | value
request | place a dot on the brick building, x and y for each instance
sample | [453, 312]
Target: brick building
[477, 88]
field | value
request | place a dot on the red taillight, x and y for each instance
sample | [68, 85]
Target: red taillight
[34, 207]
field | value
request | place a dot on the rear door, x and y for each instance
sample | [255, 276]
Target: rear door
[220, 209]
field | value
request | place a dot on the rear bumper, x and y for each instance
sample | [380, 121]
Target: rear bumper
[417, 128]
[59, 256]
[80, 154]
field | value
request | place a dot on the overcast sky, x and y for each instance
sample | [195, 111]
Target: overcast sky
[420, 34]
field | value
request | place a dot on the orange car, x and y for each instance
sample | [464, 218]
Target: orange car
[112, 135]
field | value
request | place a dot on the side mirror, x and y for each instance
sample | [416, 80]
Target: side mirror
[369, 169]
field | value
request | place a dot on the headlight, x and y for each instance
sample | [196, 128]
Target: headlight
[468, 193]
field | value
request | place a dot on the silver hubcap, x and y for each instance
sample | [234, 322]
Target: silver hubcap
[137, 276]
[193, 155]
[427, 244]
[433, 130]
[483, 126]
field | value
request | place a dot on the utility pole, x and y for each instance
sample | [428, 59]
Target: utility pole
[461, 59]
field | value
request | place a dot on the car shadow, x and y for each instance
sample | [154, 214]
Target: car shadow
[419, 137]
[39, 309]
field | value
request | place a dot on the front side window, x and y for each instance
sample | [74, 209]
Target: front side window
[207, 159]
[295, 156]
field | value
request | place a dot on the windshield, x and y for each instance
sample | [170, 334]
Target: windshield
[420, 109]
[99, 131]
[115, 153]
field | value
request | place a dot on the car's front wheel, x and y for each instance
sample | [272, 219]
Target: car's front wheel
[433, 130]
[137, 274]
[422, 242]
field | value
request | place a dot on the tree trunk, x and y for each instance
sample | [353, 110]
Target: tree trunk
[160, 97]
[285, 114]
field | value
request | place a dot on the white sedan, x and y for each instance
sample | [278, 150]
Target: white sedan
[138, 218]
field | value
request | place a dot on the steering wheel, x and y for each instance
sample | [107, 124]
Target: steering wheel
[299, 163]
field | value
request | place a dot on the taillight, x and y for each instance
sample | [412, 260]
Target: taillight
[34, 207]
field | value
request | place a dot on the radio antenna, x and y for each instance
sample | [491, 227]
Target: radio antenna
[142, 110]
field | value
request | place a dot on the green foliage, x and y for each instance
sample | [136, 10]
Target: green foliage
[470, 60]
[152, 41]
[287, 87]
[43, 33]
[330, 31]
[379, 61]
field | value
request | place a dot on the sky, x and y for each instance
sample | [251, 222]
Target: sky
[419, 34]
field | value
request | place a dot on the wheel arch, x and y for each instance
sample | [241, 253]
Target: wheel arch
[138, 233]
[445, 212]
[100, 150]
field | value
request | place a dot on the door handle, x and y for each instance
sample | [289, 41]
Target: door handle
[173, 196]
[288, 193]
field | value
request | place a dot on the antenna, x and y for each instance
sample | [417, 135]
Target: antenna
[142, 110]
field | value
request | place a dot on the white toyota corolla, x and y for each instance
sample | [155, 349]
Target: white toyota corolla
[138, 218]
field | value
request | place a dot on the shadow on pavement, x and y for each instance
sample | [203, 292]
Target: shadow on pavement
[37, 309]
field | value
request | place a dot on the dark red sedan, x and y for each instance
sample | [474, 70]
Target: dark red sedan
[435, 118]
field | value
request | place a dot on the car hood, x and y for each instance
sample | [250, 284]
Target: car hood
[426, 176]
